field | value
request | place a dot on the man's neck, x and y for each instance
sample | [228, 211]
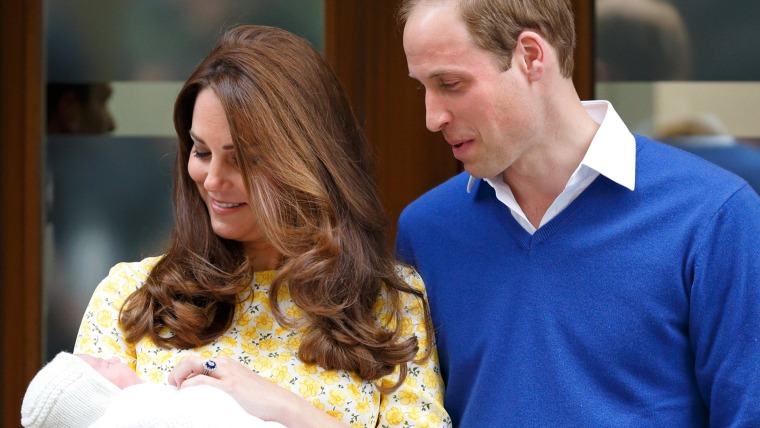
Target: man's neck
[540, 176]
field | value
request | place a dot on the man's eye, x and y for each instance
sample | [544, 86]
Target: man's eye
[449, 85]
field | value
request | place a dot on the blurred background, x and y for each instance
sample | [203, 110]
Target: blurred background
[685, 72]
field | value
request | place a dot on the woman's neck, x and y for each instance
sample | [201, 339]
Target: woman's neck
[263, 259]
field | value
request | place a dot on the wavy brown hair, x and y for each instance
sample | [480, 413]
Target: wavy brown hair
[307, 169]
[495, 25]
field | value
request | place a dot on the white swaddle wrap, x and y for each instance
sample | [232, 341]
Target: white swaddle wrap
[151, 405]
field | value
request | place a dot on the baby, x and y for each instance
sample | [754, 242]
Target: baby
[85, 391]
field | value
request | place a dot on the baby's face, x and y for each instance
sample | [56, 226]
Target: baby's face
[113, 370]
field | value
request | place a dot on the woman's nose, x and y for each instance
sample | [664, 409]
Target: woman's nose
[217, 177]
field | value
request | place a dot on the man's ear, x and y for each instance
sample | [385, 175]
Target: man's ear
[530, 53]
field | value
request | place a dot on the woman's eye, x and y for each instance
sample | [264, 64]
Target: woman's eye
[201, 155]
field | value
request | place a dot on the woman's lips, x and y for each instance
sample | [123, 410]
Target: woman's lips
[220, 207]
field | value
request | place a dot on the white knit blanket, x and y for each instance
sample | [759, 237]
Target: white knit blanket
[161, 406]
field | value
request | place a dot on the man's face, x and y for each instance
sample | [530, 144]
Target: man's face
[96, 117]
[479, 108]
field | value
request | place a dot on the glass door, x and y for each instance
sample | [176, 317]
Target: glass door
[687, 73]
[113, 71]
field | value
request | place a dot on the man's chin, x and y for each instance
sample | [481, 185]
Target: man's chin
[473, 169]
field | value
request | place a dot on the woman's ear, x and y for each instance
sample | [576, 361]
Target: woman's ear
[530, 53]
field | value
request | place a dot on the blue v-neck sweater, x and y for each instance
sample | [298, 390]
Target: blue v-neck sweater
[629, 309]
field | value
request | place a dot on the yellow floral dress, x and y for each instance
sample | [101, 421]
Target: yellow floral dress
[258, 341]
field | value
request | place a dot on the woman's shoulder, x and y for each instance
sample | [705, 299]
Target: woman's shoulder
[126, 277]
[413, 308]
[410, 276]
[134, 269]
[411, 304]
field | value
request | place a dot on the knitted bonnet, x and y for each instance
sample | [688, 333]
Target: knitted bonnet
[67, 392]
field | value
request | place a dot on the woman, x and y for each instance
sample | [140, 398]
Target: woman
[278, 286]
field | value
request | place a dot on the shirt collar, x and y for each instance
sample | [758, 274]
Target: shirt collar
[612, 151]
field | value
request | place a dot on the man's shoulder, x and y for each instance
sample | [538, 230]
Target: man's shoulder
[661, 164]
[441, 196]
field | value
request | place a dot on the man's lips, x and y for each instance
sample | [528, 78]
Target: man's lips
[458, 142]
[459, 147]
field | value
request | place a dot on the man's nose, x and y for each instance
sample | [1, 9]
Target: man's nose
[437, 116]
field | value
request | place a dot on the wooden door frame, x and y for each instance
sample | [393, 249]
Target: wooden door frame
[363, 45]
[21, 193]
[583, 73]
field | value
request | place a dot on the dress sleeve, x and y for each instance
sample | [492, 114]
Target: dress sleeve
[418, 402]
[99, 333]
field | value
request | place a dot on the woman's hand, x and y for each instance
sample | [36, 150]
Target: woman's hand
[255, 394]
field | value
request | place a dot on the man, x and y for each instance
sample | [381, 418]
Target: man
[578, 275]
[79, 108]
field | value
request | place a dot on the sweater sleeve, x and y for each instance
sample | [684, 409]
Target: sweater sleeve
[99, 333]
[419, 400]
[404, 251]
[725, 312]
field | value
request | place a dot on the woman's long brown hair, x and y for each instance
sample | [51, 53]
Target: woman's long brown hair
[307, 169]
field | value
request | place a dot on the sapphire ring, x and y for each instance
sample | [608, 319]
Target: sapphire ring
[208, 367]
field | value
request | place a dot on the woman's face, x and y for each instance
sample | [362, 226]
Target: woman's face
[213, 167]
